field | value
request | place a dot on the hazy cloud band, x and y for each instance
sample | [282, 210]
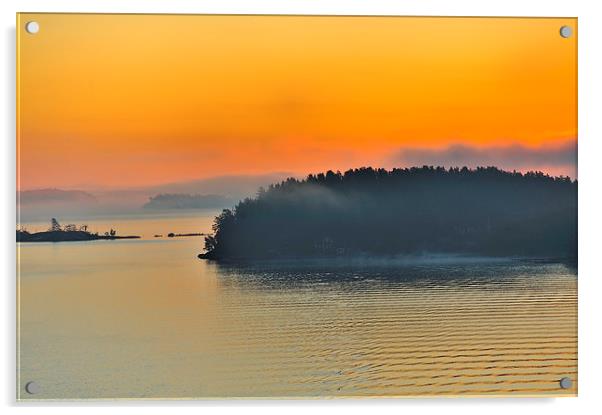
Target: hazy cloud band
[561, 157]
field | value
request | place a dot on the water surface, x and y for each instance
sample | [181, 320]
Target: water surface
[147, 319]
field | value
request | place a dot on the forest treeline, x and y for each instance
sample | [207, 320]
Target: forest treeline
[482, 211]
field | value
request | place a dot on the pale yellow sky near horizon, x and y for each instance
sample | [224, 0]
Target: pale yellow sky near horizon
[135, 100]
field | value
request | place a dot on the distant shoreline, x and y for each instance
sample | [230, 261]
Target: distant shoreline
[66, 236]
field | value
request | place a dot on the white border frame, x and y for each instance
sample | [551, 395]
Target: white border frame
[590, 197]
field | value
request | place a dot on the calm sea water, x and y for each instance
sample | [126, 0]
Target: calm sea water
[147, 319]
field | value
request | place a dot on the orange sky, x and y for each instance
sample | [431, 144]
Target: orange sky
[128, 100]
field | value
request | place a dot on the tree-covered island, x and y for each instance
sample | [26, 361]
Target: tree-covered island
[367, 211]
[67, 233]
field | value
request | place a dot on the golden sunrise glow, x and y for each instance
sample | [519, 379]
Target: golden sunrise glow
[128, 100]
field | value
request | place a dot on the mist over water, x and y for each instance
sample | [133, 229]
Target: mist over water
[146, 318]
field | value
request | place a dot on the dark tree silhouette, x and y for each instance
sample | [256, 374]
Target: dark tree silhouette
[371, 211]
[55, 226]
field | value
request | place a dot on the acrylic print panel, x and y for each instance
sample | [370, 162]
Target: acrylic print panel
[296, 206]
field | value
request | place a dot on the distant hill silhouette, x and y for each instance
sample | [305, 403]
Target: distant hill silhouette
[93, 202]
[187, 201]
[55, 195]
[485, 211]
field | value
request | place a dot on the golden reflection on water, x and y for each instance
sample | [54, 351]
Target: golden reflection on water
[146, 318]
